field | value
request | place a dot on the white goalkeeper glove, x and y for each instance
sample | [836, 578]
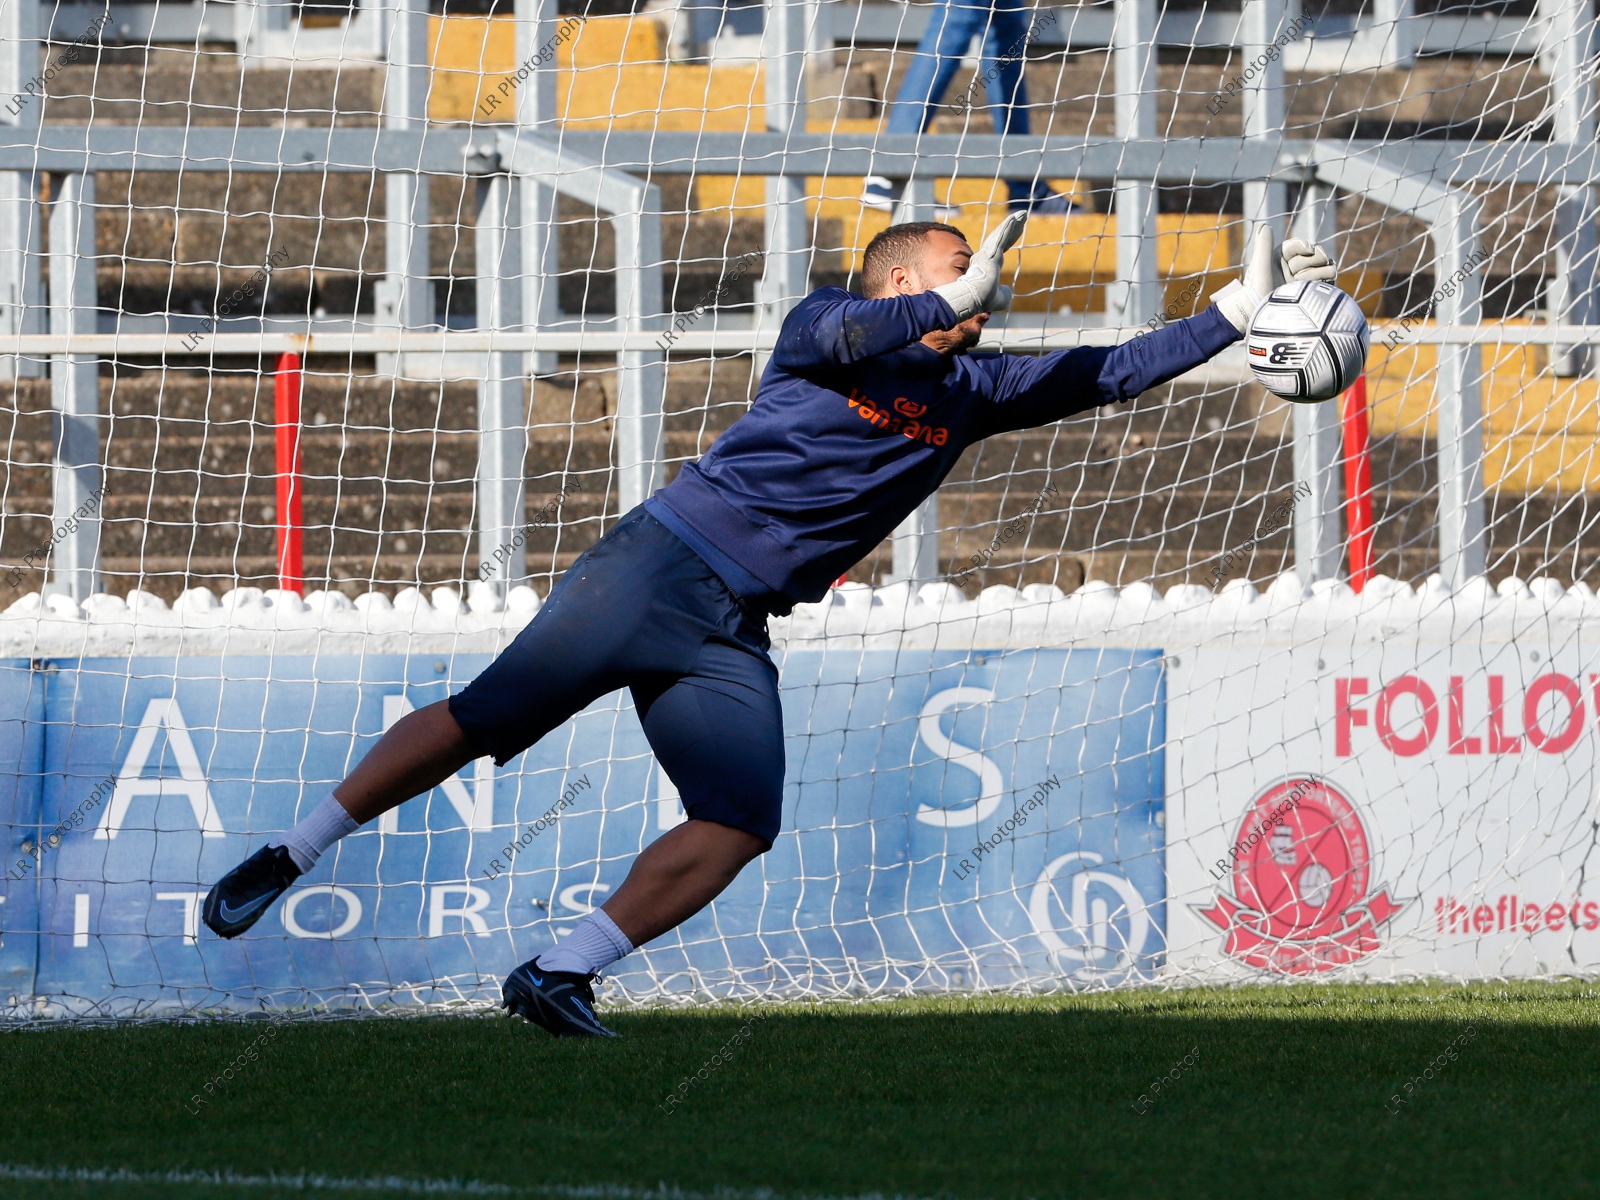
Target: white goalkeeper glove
[980, 289]
[1240, 299]
[1297, 260]
[1303, 260]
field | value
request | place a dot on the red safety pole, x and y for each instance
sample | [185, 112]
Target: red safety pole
[286, 402]
[1358, 482]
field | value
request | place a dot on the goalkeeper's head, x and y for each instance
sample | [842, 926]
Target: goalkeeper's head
[918, 257]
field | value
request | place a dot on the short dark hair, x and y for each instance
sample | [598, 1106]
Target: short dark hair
[897, 246]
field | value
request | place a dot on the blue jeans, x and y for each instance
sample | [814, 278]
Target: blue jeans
[1004, 25]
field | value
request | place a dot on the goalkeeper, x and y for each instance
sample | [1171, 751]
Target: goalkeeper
[863, 410]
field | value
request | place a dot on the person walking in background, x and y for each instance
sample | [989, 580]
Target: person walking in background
[1007, 28]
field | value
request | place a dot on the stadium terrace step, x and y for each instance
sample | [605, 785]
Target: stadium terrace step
[170, 577]
[1541, 432]
[157, 85]
[613, 74]
[1156, 489]
[388, 477]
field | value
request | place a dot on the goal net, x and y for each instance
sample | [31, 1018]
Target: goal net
[332, 334]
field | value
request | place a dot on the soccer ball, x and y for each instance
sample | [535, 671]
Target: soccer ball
[1308, 342]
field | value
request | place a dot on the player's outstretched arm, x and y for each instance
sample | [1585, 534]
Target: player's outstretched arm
[1040, 390]
[833, 327]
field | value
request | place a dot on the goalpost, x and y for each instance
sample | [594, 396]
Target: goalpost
[1093, 717]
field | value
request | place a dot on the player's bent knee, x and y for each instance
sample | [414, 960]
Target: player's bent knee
[737, 841]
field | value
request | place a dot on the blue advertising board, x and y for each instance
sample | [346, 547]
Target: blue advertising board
[22, 691]
[952, 819]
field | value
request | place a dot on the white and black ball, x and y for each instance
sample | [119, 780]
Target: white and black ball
[1308, 341]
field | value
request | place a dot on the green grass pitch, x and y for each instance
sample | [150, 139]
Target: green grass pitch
[966, 1098]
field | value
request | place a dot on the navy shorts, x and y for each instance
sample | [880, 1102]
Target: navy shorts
[641, 610]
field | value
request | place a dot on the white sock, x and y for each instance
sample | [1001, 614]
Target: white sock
[594, 944]
[326, 824]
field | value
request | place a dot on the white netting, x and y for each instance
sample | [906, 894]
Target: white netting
[261, 185]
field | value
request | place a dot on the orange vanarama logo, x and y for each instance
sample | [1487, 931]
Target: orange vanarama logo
[910, 427]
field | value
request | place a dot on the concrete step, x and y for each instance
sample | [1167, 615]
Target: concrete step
[171, 242]
[1162, 486]
[355, 559]
[701, 394]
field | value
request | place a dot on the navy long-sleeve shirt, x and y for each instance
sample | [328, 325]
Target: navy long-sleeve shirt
[856, 422]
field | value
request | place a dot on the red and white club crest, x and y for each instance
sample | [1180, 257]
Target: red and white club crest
[1301, 867]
